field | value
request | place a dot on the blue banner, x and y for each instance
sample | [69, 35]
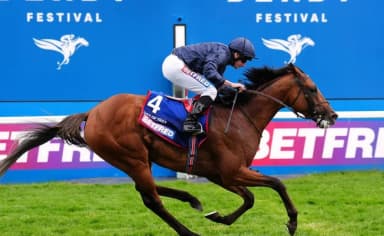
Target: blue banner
[88, 50]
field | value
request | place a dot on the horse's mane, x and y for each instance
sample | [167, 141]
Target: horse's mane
[256, 79]
[261, 77]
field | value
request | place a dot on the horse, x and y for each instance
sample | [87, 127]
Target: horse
[112, 131]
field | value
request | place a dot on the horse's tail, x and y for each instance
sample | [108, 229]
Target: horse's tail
[68, 129]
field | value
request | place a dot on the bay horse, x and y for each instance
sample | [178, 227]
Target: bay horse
[113, 132]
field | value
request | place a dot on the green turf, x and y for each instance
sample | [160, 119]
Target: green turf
[340, 203]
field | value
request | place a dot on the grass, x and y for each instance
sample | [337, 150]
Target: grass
[339, 203]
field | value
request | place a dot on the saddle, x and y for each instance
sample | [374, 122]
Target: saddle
[164, 116]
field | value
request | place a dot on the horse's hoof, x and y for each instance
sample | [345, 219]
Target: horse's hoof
[214, 216]
[189, 233]
[196, 205]
[292, 226]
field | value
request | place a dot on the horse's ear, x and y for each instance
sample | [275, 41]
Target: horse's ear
[291, 67]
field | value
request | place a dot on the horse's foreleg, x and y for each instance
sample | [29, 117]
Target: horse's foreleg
[247, 204]
[246, 177]
[180, 195]
[279, 187]
[291, 210]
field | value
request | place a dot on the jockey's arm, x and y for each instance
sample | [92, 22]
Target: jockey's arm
[239, 86]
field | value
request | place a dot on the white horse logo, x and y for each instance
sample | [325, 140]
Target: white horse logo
[293, 46]
[67, 46]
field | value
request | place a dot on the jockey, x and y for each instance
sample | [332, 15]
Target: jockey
[200, 68]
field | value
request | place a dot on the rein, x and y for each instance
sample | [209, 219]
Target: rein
[278, 101]
[230, 114]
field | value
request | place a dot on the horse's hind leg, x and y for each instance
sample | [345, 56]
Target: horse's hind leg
[180, 195]
[140, 171]
[145, 185]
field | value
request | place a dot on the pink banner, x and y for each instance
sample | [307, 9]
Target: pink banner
[55, 154]
[301, 143]
[284, 143]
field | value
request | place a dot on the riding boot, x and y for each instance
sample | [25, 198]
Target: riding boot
[191, 124]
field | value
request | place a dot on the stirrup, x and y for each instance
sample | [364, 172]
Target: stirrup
[193, 127]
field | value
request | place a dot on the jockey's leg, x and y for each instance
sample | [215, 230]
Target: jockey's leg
[191, 123]
[175, 70]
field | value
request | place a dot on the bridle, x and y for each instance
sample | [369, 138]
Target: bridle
[308, 95]
[312, 114]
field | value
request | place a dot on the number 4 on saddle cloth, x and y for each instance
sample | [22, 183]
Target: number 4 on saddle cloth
[164, 116]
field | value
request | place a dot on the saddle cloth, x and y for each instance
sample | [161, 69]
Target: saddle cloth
[164, 116]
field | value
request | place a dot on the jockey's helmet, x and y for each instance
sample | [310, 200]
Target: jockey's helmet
[243, 46]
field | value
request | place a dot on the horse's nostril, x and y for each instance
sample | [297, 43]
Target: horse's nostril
[334, 116]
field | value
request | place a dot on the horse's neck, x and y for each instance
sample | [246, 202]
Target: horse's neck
[262, 109]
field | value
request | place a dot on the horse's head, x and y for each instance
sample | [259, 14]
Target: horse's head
[301, 94]
[309, 101]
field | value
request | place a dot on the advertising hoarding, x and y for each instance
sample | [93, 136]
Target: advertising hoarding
[64, 56]
[82, 50]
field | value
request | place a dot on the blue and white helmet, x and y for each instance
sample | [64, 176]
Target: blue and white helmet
[243, 46]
